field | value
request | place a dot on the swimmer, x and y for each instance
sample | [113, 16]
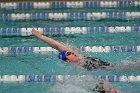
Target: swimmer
[67, 54]
[104, 87]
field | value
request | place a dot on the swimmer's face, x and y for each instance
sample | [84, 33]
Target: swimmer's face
[71, 57]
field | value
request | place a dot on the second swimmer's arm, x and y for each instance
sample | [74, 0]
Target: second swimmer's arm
[109, 88]
[53, 43]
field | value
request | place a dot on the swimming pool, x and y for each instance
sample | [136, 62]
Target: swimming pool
[20, 53]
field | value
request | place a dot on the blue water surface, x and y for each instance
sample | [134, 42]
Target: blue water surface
[48, 62]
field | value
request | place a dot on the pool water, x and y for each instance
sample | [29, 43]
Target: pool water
[48, 63]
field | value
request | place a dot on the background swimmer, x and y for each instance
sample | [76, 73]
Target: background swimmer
[82, 84]
[104, 87]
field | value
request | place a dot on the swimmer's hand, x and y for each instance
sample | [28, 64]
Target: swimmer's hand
[35, 32]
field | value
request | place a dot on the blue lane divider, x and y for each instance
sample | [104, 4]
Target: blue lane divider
[70, 16]
[70, 4]
[107, 49]
[68, 30]
[123, 48]
[20, 49]
[62, 78]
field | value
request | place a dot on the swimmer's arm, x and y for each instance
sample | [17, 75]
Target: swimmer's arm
[113, 91]
[53, 43]
[109, 88]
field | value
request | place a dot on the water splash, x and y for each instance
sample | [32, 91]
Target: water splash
[74, 84]
[127, 65]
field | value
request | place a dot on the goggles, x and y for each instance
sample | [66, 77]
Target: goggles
[62, 55]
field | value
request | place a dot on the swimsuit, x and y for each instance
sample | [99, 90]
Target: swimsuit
[99, 87]
[94, 63]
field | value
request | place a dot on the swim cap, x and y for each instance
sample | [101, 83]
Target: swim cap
[62, 55]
